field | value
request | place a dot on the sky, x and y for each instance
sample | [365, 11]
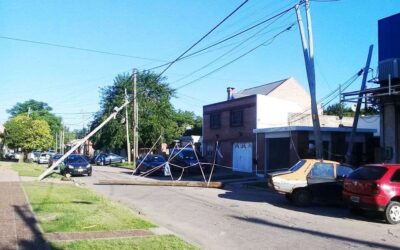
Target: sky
[152, 32]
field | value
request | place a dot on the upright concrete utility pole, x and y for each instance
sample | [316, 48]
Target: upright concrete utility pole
[62, 141]
[135, 117]
[359, 102]
[128, 143]
[56, 148]
[308, 51]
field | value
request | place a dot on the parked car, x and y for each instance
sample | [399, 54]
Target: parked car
[186, 158]
[43, 158]
[76, 164]
[311, 180]
[53, 159]
[375, 188]
[105, 159]
[150, 162]
[36, 156]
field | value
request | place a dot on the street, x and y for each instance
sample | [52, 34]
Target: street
[245, 218]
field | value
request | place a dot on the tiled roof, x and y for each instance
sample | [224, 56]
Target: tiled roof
[264, 89]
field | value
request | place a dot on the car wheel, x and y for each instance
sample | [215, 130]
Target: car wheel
[302, 197]
[89, 173]
[392, 212]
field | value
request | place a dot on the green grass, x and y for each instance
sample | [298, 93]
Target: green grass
[152, 242]
[67, 208]
[30, 169]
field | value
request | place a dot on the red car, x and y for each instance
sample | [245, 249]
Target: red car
[375, 188]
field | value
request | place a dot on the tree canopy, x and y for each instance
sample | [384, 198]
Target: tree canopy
[28, 134]
[156, 113]
[341, 110]
[38, 111]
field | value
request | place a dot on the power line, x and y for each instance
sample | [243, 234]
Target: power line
[79, 48]
[203, 37]
[226, 39]
[269, 41]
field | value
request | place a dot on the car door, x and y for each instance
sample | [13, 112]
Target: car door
[321, 181]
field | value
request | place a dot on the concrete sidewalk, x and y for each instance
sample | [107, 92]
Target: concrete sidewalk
[18, 226]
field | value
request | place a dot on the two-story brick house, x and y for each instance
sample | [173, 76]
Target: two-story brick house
[232, 122]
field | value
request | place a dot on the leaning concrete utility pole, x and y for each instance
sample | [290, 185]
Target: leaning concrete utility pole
[359, 101]
[128, 143]
[135, 116]
[308, 51]
[112, 116]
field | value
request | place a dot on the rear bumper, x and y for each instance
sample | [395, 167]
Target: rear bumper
[366, 202]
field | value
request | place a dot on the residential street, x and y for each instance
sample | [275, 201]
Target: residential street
[245, 218]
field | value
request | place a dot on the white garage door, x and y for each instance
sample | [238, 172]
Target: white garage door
[242, 157]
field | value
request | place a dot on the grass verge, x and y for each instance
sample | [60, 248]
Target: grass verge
[30, 169]
[67, 208]
[153, 242]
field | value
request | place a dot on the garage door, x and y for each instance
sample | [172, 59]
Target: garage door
[242, 157]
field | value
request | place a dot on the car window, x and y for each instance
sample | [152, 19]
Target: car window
[396, 176]
[324, 170]
[297, 166]
[368, 173]
[343, 171]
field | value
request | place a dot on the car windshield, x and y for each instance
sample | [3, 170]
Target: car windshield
[76, 158]
[43, 155]
[56, 157]
[368, 173]
[297, 166]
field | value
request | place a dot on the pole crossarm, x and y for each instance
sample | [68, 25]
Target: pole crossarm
[110, 117]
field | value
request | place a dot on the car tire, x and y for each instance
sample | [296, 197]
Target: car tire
[302, 197]
[89, 173]
[392, 212]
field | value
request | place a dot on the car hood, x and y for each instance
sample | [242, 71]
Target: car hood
[280, 172]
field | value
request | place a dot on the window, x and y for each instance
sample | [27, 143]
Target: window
[343, 171]
[369, 173]
[396, 176]
[215, 120]
[297, 166]
[323, 170]
[236, 118]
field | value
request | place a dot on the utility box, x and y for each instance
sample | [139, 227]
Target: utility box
[389, 48]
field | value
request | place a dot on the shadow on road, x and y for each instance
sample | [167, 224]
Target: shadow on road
[314, 233]
[234, 192]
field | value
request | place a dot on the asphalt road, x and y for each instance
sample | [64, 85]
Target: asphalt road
[245, 218]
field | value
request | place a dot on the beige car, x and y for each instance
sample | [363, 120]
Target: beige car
[311, 180]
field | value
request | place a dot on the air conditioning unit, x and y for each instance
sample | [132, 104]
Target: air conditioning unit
[389, 67]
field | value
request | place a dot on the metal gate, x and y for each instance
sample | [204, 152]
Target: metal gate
[242, 157]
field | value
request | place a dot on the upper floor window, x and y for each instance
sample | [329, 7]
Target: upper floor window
[215, 120]
[236, 118]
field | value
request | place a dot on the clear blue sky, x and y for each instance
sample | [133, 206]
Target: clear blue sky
[69, 80]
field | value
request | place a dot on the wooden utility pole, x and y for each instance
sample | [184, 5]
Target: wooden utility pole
[128, 143]
[359, 102]
[135, 116]
[308, 51]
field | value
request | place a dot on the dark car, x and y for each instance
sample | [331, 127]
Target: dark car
[76, 164]
[105, 159]
[375, 188]
[186, 158]
[150, 162]
[53, 159]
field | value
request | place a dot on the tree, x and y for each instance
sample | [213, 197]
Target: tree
[338, 109]
[28, 134]
[156, 113]
[38, 111]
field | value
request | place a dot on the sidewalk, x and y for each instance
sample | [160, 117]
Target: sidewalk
[18, 227]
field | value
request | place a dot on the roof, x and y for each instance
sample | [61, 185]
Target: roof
[264, 89]
[310, 128]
